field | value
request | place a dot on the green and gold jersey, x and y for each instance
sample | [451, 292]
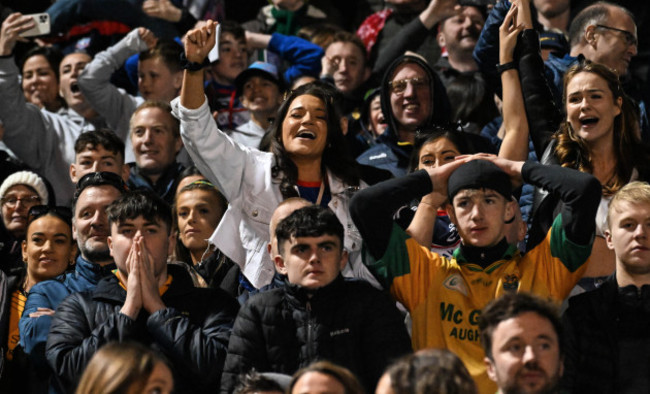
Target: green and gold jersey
[445, 296]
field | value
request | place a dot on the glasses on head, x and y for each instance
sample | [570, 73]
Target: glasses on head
[12, 201]
[630, 39]
[61, 212]
[398, 87]
[99, 179]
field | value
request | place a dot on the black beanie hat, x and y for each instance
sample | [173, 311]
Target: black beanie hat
[479, 174]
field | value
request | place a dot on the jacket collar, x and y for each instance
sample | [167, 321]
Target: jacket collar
[301, 295]
[91, 271]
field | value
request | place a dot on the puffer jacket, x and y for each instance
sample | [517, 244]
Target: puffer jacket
[347, 322]
[389, 154]
[192, 332]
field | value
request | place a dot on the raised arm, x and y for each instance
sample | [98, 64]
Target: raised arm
[415, 32]
[304, 57]
[224, 162]
[543, 116]
[372, 209]
[515, 140]
[113, 104]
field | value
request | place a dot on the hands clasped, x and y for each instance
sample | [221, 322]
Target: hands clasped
[142, 283]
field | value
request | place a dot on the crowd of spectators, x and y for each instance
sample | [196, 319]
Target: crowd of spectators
[305, 196]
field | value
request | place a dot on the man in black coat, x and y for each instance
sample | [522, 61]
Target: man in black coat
[317, 314]
[146, 301]
[607, 330]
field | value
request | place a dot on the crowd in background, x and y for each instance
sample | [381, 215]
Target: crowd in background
[211, 195]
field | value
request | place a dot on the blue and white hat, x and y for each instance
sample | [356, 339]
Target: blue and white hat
[260, 69]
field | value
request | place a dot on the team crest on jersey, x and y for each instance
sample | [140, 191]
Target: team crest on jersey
[455, 282]
[510, 282]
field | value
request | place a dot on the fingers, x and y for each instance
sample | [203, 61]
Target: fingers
[42, 312]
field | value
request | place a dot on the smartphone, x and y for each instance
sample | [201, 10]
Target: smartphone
[213, 56]
[42, 27]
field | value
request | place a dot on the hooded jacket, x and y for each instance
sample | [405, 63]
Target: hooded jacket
[391, 154]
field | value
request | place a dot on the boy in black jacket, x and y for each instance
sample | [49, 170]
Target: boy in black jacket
[145, 301]
[316, 315]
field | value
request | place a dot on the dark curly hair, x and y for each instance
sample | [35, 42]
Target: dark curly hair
[572, 150]
[336, 157]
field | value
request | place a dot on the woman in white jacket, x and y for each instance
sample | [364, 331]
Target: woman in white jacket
[308, 158]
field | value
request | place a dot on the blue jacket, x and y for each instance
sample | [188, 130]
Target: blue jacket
[388, 154]
[49, 294]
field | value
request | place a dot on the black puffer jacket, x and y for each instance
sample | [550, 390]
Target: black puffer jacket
[347, 322]
[595, 325]
[192, 332]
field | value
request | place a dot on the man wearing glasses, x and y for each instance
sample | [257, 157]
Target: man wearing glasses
[605, 33]
[412, 97]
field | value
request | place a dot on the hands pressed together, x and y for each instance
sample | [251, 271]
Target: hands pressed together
[142, 284]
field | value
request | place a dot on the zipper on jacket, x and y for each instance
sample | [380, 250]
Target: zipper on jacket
[310, 336]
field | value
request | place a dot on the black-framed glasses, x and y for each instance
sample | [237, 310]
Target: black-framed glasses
[12, 201]
[100, 179]
[63, 213]
[630, 39]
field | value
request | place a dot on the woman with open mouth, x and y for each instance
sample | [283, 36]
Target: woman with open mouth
[599, 134]
[308, 159]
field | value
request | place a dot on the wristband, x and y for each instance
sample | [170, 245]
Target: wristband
[505, 67]
[193, 66]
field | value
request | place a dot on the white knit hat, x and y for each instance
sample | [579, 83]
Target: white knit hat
[26, 178]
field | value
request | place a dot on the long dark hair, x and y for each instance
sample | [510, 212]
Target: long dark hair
[336, 157]
[572, 150]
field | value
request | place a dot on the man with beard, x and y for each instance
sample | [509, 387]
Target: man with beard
[95, 191]
[520, 334]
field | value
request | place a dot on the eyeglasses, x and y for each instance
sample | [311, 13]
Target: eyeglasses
[398, 87]
[630, 39]
[63, 213]
[12, 201]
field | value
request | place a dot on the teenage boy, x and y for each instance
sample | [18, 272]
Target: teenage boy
[316, 314]
[445, 296]
[522, 338]
[608, 329]
[145, 301]
[260, 89]
[98, 151]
